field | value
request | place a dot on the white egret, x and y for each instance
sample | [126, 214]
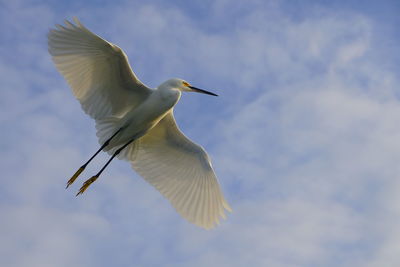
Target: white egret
[136, 123]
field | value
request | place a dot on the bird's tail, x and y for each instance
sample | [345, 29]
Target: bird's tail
[105, 129]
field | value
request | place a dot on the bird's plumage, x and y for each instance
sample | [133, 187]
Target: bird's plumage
[181, 170]
[97, 71]
[108, 90]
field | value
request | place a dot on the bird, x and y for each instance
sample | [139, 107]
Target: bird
[136, 123]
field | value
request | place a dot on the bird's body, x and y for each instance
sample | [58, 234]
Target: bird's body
[136, 123]
[139, 120]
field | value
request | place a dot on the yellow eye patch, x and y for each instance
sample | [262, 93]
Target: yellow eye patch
[186, 84]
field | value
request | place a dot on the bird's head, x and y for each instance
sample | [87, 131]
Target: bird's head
[183, 86]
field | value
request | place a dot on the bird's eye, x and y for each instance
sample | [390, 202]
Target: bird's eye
[186, 84]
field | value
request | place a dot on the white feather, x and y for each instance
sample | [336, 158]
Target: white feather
[181, 170]
[97, 71]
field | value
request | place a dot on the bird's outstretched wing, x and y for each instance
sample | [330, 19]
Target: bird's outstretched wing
[181, 171]
[97, 71]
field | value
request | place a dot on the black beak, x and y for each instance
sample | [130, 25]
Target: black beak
[202, 91]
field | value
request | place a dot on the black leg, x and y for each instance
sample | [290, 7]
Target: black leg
[80, 170]
[94, 178]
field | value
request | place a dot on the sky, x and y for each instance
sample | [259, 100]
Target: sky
[304, 136]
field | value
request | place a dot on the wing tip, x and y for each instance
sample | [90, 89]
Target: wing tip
[69, 25]
[76, 20]
[227, 207]
[211, 224]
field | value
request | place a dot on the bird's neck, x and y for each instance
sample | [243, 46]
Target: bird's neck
[169, 94]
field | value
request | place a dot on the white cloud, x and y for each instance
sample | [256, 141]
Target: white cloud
[304, 139]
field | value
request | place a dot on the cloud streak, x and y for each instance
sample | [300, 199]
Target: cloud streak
[303, 137]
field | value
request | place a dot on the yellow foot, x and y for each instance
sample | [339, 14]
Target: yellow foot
[73, 178]
[86, 184]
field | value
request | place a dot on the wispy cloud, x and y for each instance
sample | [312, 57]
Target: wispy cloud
[303, 137]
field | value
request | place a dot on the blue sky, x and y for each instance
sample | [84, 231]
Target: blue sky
[304, 136]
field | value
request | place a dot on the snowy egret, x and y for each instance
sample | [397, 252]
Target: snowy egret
[136, 123]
